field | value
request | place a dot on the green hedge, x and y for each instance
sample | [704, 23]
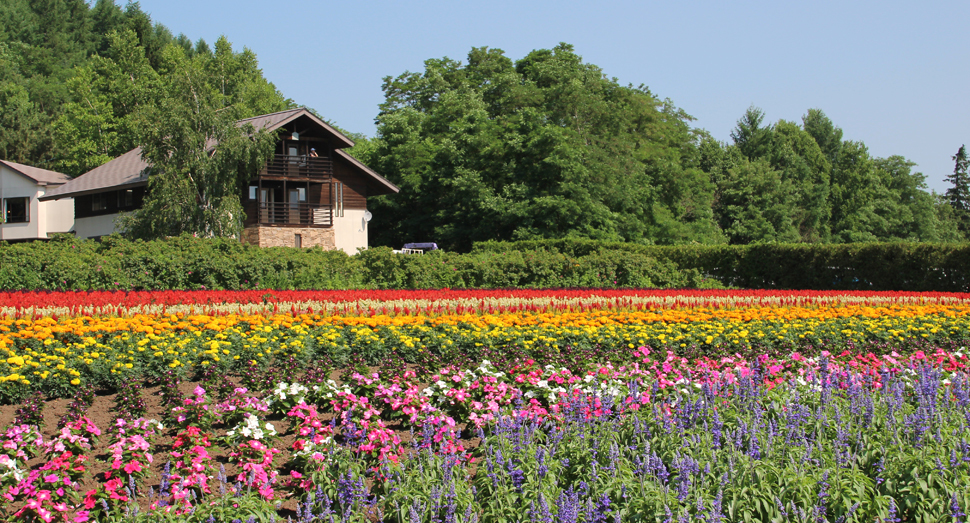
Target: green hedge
[193, 263]
[854, 266]
[67, 263]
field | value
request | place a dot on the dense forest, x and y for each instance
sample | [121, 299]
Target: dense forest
[550, 147]
[546, 146]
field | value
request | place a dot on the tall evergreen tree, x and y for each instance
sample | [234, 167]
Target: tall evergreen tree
[959, 194]
[751, 137]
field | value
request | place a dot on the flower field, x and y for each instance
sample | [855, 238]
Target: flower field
[559, 405]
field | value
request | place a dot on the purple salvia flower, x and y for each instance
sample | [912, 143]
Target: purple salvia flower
[892, 512]
[568, 506]
[955, 511]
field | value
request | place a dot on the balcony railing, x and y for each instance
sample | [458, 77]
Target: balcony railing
[298, 166]
[302, 214]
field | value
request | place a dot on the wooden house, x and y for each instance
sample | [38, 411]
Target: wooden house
[310, 193]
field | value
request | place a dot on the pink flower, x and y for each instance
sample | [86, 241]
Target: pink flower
[134, 466]
[45, 514]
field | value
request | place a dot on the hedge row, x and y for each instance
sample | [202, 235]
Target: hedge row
[855, 266]
[67, 263]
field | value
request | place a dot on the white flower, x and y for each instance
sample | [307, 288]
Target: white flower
[542, 383]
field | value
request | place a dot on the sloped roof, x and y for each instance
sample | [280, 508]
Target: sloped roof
[383, 185]
[276, 120]
[38, 175]
[129, 170]
[126, 170]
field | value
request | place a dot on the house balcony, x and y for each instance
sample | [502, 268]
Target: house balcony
[289, 215]
[302, 166]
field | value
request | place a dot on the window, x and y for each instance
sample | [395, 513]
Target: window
[126, 199]
[16, 210]
[252, 192]
[338, 199]
[99, 202]
[298, 241]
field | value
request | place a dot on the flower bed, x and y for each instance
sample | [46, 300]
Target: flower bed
[508, 405]
[395, 302]
[56, 356]
[852, 437]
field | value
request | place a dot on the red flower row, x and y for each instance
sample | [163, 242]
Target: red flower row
[618, 297]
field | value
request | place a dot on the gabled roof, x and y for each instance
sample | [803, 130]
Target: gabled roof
[277, 120]
[129, 170]
[381, 184]
[38, 175]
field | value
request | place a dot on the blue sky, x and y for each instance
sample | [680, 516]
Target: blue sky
[894, 75]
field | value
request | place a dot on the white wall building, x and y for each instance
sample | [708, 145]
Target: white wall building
[22, 215]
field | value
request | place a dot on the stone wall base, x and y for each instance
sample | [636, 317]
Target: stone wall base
[287, 237]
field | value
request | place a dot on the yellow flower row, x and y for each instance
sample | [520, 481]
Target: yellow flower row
[57, 354]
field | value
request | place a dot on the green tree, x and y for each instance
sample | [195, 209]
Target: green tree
[959, 194]
[826, 134]
[98, 124]
[24, 127]
[806, 171]
[543, 147]
[756, 205]
[750, 136]
[200, 159]
[909, 210]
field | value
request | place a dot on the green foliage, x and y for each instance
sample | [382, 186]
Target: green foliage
[528, 268]
[545, 147]
[790, 183]
[176, 263]
[186, 262]
[200, 158]
[959, 195]
[863, 266]
[72, 77]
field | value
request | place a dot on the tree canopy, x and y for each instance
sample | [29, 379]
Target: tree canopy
[546, 146]
[543, 147]
[550, 147]
[200, 158]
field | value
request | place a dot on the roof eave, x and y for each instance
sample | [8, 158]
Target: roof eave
[75, 194]
[344, 141]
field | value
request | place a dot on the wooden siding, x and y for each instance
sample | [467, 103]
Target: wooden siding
[355, 186]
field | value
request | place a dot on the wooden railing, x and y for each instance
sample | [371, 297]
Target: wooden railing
[298, 166]
[304, 214]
